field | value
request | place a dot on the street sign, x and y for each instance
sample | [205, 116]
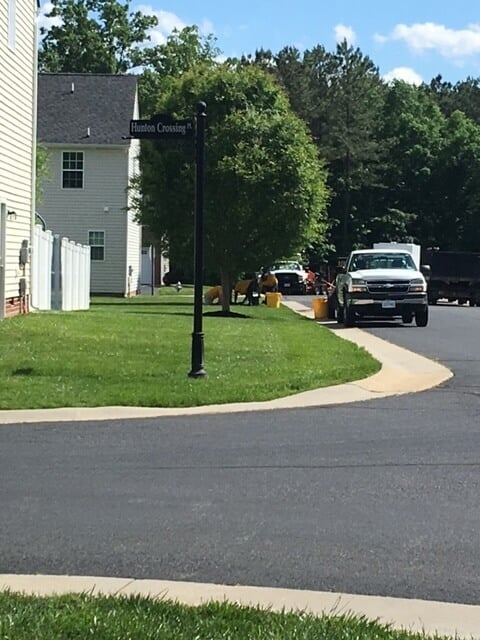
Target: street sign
[162, 127]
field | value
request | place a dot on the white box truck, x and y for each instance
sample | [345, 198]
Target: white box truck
[414, 249]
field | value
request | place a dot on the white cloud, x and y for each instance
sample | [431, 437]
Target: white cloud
[403, 73]
[459, 43]
[167, 22]
[43, 21]
[343, 32]
[206, 27]
[380, 39]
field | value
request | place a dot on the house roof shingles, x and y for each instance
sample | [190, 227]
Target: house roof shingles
[101, 105]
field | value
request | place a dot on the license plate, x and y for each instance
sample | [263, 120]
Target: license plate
[286, 285]
[388, 304]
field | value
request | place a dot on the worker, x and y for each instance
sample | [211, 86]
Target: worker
[311, 280]
[268, 283]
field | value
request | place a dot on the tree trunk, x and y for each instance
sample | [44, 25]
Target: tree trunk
[347, 206]
[226, 291]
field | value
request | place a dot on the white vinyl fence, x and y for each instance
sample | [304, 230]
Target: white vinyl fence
[42, 252]
[60, 272]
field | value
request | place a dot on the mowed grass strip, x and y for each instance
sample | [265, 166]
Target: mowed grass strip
[77, 617]
[137, 352]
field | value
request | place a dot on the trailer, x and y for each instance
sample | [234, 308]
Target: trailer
[454, 276]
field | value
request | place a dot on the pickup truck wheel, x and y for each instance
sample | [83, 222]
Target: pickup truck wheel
[331, 312]
[332, 305]
[349, 314]
[421, 317]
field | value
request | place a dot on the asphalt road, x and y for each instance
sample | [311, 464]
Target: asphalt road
[378, 497]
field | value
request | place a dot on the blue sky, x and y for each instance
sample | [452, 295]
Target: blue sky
[412, 39]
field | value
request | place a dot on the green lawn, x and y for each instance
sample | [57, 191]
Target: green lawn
[134, 618]
[137, 352]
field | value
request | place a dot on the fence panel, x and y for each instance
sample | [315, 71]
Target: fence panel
[60, 272]
[41, 265]
[75, 268]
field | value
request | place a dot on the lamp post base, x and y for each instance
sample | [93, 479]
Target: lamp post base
[197, 370]
[199, 373]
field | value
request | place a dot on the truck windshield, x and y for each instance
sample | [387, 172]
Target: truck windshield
[361, 261]
[287, 266]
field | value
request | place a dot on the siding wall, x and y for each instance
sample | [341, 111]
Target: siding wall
[134, 230]
[100, 206]
[17, 94]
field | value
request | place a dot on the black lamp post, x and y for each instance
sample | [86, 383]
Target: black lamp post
[198, 370]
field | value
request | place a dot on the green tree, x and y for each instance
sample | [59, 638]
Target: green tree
[42, 170]
[412, 133]
[462, 96]
[265, 193]
[94, 36]
[350, 141]
[457, 186]
[339, 95]
[183, 51]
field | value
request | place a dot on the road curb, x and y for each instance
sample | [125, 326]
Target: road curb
[422, 616]
[402, 371]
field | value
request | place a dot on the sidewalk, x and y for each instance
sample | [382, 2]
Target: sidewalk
[402, 372]
[453, 620]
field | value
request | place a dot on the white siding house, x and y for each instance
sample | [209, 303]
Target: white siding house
[17, 150]
[84, 122]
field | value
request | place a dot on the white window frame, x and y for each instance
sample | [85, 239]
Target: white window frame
[103, 246]
[12, 23]
[82, 170]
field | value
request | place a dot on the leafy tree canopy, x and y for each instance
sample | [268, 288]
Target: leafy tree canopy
[94, 36]
[183, 51]
[402, 161]
[42, 170]
[457, 186]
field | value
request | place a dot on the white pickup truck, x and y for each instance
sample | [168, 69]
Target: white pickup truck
[379, 283]
[291, 277]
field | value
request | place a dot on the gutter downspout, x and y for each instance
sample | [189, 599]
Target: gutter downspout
[36, 13]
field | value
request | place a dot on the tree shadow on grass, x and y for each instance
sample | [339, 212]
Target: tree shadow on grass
[142, 308]
[143, 312]
[210, 314]
[226, 314]
[156, 303]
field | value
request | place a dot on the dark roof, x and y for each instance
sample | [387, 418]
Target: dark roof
[73, 105]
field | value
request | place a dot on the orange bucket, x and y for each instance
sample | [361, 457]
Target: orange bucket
[273, 299]
[320, 308]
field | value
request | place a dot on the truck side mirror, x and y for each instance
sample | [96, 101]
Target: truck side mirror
[426, 270]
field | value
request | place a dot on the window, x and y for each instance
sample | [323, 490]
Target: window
[12, 15]
[72, 170]
[96, 240]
